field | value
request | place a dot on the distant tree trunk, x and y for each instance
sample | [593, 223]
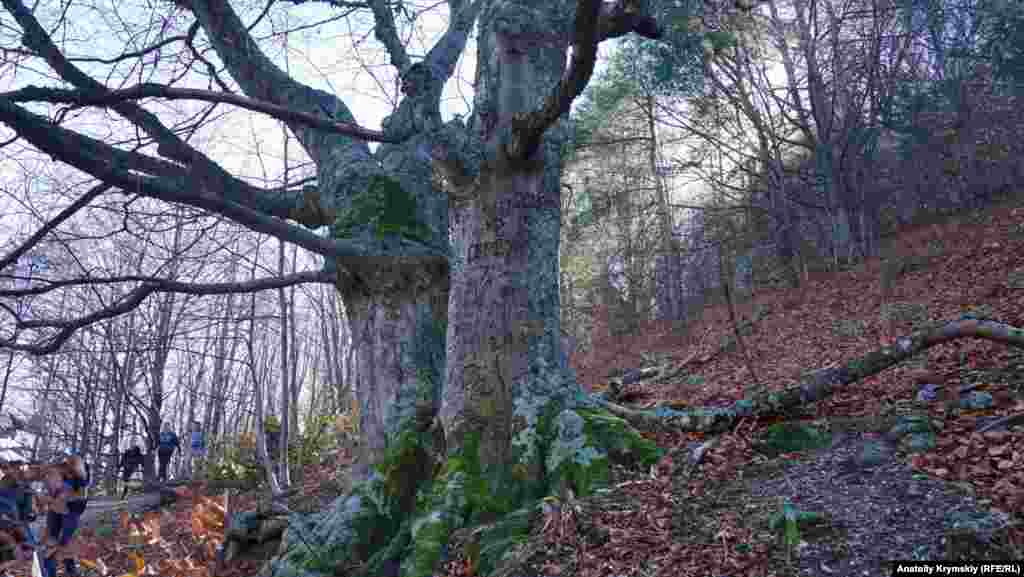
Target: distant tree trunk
[668, 267]
[727, 283]
[8, 371]
[117, 439]
[214, 417]
[293, 339]
[286, 376]
[261, 447]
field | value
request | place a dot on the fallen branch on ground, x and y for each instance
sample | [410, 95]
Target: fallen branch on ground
[822, 383]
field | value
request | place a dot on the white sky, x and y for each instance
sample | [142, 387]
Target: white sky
[339, 56]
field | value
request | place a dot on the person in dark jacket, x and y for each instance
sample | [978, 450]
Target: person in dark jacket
[198, 453]
[131, 460]
[66, 498]
[168, 443]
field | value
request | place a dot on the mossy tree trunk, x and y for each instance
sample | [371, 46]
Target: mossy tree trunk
[396, 309]
[504, 312]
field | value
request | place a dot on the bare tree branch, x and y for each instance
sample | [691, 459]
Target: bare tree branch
[170, 146]
[152, 90]
[67, 327]
[262, 79]
[65, 214]
[178, 185]
[595, 21]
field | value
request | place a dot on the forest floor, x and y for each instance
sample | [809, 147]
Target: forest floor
[146, 534]
[963, 498]
[855, 513]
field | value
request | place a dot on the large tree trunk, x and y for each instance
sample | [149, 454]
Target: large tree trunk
[487, 351]
[503, 342]
[397, 313]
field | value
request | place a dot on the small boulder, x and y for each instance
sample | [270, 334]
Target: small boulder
[977, 401]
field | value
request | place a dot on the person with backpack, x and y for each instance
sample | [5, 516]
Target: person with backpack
[198, 448]
[165, 448]
[16, 479]
[66, 499]
[131, 460]
[272, 435]
[17, 541]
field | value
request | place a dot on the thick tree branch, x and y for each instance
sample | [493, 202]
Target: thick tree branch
[67, 327]
[449, 150]
[296, 207]
[125, 169]
[263, 80]
[150, 90]
[529, 128]
[595, 21]
[177, 185]
[386, 33]
[444, 55]
[619, 18]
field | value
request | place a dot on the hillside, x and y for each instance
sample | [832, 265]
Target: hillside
[859, 500]
[662, 524]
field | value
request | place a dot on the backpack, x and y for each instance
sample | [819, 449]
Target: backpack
[168, 441]
[133, 456]
[80, 487]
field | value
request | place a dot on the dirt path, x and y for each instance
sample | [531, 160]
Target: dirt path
[866, 513]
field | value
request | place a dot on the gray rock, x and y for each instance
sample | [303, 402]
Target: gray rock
[631, 376]
[906, 425]
[928, 393]
[977, 400]
[919, 442]
[743, 407]
[872, 454]
[869, 455]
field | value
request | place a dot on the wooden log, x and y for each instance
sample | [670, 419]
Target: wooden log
[824, 382]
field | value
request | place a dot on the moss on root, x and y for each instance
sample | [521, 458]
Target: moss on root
[412, 506]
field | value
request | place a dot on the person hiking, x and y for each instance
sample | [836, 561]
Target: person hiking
[272, 435]
[198, 441]
[66, 499]
[17, 541]
[131, 460]
[16, 479]
[165, 448]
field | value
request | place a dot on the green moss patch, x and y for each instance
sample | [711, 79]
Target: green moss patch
[792, 438]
